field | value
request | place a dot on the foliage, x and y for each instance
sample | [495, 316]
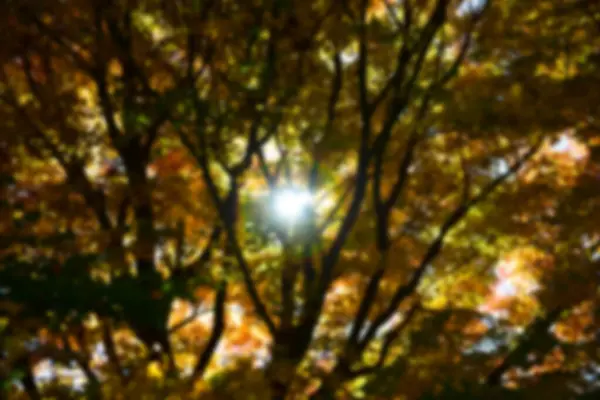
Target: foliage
[299, 199]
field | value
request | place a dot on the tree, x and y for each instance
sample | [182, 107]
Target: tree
[284, 199]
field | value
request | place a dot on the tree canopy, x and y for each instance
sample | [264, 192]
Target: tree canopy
[285, 199]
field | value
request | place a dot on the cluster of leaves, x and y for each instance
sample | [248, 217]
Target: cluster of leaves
[450, 150]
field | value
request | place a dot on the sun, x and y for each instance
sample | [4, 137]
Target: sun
[290, 204]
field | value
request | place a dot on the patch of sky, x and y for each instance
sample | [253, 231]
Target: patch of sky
[470, 7]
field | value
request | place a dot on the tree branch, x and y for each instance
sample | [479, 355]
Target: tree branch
[366, 302]
[109, 346]
[331, 257]
[436, 246]
[224, 210]
[79, 60]
[527, 343]
[215, 336]
[84, 363]
[388, 340]
[76, 176]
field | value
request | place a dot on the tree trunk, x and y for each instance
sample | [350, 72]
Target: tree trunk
[289, 348]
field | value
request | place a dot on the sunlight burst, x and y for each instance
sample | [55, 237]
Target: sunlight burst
[290, 204]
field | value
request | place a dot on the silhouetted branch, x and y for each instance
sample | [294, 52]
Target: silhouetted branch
[388, 340]
[187, 320]
[436, 246]
[84, 363]
[28, 380]
[331, 257]
[73, 168]
[111, 351]
[261, 309]
[217, 331]
[225, 213]
[526, 343]
[68, 46]
[367, 301]
[329, 218]
[402, 90]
